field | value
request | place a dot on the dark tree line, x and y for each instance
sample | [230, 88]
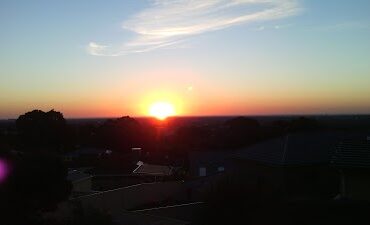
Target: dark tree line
[39, 131]
[124, 133]
[235, 133]
[49, 132]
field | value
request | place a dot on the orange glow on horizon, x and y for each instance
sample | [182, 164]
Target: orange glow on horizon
[160, 104]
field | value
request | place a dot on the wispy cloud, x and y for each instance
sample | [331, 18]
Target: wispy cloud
[95, 49]
[166, 23]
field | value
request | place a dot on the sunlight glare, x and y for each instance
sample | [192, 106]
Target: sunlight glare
[161, 110]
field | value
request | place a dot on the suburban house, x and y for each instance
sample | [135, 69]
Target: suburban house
[352, 160]
[296, 165]
[158, 172]
[203, 164]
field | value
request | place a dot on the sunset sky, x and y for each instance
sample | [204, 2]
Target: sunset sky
[238, 57]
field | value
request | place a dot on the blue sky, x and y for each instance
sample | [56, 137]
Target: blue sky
[111, 58]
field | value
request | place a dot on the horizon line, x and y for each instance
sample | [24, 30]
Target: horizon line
[219, 115]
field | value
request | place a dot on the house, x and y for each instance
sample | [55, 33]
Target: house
[202, 164]
[296, 165]
[152, 170]
[352, 160]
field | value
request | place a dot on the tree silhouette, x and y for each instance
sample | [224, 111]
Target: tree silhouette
[42, 130]
[190, 137]
[123, 133]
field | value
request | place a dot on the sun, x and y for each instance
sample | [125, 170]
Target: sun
[161, 110]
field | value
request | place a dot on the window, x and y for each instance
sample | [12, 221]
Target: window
[202, 172]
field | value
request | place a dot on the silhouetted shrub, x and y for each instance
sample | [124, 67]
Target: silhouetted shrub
[42, 130]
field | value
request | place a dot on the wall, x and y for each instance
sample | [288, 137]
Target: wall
[82, 185]
[134, 196]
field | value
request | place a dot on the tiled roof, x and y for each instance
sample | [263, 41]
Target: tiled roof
[352, 154]
[296, 149]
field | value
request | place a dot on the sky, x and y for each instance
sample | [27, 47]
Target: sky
[90, 58]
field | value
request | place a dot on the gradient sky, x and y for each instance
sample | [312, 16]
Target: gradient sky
[113, 58]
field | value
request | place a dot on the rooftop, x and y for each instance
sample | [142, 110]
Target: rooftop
[298, 148]
[352, 154]
[155, 170]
